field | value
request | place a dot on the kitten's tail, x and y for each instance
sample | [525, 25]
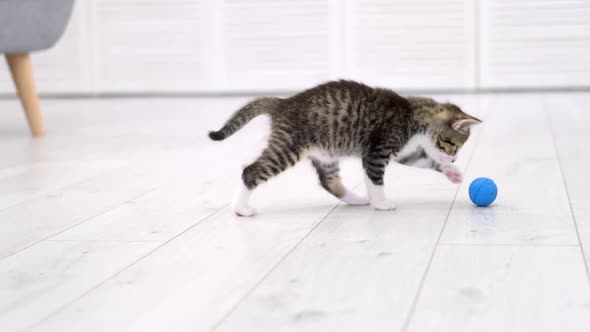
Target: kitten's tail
[244, 115]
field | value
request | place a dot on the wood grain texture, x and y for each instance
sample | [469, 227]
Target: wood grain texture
[198, 277]
[24, 81]
[41, 280]
[83, 211]
[517, 152]
[570, 129]
[512, 288]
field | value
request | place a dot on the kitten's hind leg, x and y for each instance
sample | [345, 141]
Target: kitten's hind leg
[329, 174]
[240, 202]
[276, 158]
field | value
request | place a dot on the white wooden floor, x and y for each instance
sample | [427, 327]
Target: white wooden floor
[118, 220]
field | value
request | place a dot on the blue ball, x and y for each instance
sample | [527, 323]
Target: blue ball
[483, 191]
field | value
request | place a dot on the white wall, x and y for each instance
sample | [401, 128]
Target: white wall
[264, 45]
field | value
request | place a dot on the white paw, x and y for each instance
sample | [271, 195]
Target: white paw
[383, 204]
[244, 212]
[452, 173]
[351, 198]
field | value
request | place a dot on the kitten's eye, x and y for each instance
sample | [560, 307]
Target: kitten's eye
[444, 140]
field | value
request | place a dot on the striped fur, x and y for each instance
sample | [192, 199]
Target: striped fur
[243, 116]
[345, 118]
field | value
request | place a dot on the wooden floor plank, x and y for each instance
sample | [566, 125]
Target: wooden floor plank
[41, 279]
[31, 221]
[46, 177]
[514, 266]
[570, 124]
[195, 279]
[118, 178]
[517, 152]
[504, 288]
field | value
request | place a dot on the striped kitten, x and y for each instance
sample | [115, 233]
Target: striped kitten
[345, 118]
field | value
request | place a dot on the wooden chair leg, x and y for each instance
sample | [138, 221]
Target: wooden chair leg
[22, 74]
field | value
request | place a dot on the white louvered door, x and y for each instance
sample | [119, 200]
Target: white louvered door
[149, 45]
[271, 44]
[535, 43]
[120, 46]
[412, 43]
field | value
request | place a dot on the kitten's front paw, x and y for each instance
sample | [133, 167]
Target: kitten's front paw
[351, 198]
[383, 204]
[244, 212]
[452, 173]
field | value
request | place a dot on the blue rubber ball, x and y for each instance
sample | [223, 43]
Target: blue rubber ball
[483, 191]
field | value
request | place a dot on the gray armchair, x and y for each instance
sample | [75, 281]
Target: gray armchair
[27, 26]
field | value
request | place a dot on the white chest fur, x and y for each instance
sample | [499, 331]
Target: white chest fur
[415, 143]
[425, 142]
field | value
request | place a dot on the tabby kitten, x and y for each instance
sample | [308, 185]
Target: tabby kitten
[345, 118]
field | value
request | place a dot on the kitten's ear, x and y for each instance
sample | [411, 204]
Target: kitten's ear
[463, 125]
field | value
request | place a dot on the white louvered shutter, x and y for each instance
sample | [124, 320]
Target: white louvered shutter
[149, 45]
[540, 43]
[412, 43]
[277, 45]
